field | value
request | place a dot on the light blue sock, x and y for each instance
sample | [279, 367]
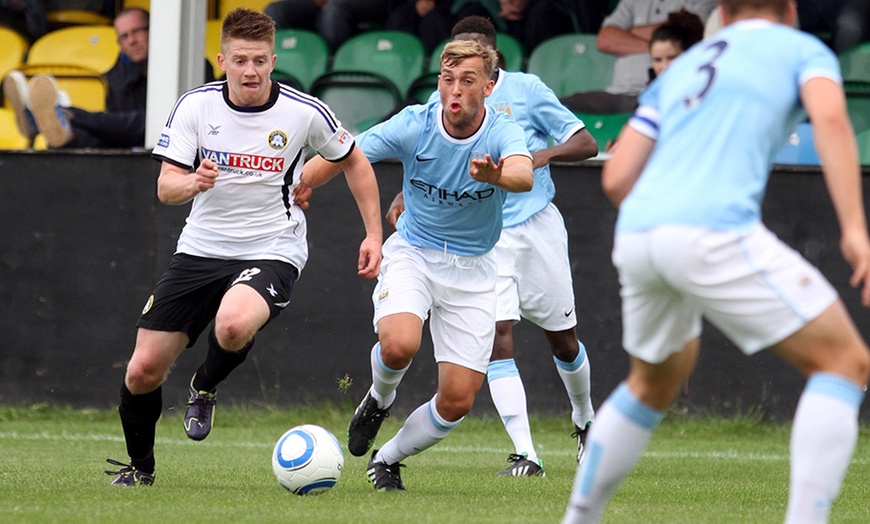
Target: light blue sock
[823, 438]
[616, 441]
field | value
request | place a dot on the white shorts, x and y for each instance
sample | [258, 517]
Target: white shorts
[750, 285]
[458, 292]
[534, 272]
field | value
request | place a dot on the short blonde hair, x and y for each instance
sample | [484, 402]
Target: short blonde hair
[458, 50]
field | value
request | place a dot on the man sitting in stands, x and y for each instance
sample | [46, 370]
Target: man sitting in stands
[40, 107]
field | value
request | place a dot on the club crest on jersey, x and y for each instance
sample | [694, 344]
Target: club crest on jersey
[244, 161]
[277, 140]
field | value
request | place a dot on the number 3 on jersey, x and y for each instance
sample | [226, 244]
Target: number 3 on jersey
[707, 69]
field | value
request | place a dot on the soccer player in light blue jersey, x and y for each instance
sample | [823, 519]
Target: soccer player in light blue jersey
[688, 177]
[460, 160]
[534, 272]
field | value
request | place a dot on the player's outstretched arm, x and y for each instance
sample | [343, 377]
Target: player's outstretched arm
[175, 185]
[622, 170]
[580, 146]
[513, 173]
[835, 142]
[362, 183]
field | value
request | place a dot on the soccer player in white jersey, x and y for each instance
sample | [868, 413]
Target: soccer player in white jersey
[688, 177]
[534, 272]
[460, 159]
[244, 242]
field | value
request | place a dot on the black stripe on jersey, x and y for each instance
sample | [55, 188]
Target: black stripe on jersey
[288, 181]
[312, 101]
[211, 86]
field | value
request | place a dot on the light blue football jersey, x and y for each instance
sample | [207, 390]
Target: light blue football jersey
[719, 114]
[536, 108]
[445, 209]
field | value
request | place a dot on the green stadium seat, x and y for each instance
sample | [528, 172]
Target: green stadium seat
[858, 106]
[302, 55]
[358, 99]
[423, 87]
[512, 51]
[398, 56]
[604, 127]
[571, 63]
[863, 139]
[855, 63]
[435, 57]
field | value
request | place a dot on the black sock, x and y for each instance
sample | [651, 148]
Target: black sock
[139, 415]
[218, 365]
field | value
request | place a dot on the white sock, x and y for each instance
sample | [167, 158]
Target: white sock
[823, 438]
[575, 376]
[422, 429]
[617, 439]
[509, 397]
[384, 379]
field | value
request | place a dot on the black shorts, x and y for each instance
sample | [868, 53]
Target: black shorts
[189, 293]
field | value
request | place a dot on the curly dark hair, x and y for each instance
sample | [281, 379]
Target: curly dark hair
[683, 27]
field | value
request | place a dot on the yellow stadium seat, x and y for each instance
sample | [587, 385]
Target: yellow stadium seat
[14, 46]
[87, 89]
[92, 47]
[225, 6]
[73, 17]
[10, 138]
[141, 4]
[213, 45]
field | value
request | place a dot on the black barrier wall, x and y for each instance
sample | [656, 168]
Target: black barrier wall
[84, 239]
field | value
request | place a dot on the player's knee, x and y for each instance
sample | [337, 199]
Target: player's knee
[142, 379]
[397, 352]
[232, 334]
[566, 353]
[564, 344]
[862, 363]
[454, 408]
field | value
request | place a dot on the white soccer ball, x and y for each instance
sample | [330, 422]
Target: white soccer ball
[307, 460]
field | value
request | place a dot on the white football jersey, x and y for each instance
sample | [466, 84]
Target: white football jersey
[249, 214]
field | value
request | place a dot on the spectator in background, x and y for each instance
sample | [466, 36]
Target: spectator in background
[334, 20]
[431, 20]
[852, 25]
[626, 33]
[681, 31]
[37, 105]
[25, 17]
[533, 21]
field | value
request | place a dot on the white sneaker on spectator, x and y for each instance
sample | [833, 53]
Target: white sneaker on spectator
[15, 93]
[51, 119]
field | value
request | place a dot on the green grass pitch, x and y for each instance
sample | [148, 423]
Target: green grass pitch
[699, 470]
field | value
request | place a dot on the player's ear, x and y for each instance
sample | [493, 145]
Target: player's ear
[222, 62]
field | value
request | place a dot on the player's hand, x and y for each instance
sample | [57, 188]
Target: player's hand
[485, 170]
[397, 207]
[369, 265]
[302, 194]
[856, 250]
[206, 175]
